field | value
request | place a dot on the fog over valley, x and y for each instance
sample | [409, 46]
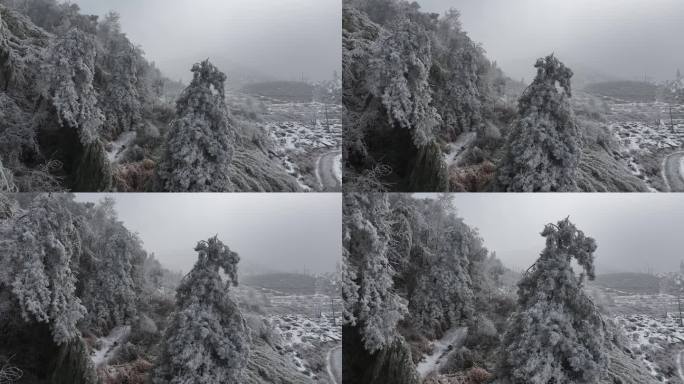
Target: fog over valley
[625, 39]
[634, 233]
[250, 40]
[270, 232]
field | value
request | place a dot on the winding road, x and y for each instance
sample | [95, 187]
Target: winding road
[673, 171]
[328, 172]
[335, 365]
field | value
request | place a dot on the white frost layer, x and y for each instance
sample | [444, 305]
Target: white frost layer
[121, 143]
[337, 167]
[457, 149]
[440, 348]
[109, 345]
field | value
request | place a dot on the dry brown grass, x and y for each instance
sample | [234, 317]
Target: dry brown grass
[135, 177]
[135, 372]
[472, 178]
[472, 376]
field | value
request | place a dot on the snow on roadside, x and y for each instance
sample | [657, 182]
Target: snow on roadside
[337, 167]
[646, 333]
[109, 345]
[119, 145]
[440, 348]
[457, 148]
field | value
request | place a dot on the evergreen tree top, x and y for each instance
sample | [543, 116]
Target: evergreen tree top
[213, 254]
[206, 75]
[551, 70]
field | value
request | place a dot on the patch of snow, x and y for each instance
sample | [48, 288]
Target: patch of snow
[109, 345]
[337, 167]
[440, 348]
[302, 128]
[646, 333]
[119, 146]
[457, 148]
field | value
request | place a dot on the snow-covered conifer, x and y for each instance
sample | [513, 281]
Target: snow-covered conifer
[207, 340]
[544, 147]
[557, 334]
[120, 78]
[200, 142]
[370, 300]
[107, 284]
[68, 82]
[398, 74]
[40, 247]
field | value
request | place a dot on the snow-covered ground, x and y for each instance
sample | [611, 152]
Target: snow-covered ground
[457, 149]
[299, 137]
[106, 347]
[300, 129]
[116, 148]
[304, 324]
[648, 335]
[645, 130]
[440, 348]
[298, 329]
[650, 324]
[298, 332]
[337, 168]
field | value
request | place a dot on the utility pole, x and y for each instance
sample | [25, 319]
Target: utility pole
[678, 282]
[332, 308]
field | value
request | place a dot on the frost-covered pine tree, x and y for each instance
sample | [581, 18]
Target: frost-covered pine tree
[556, 335]
[107, 285]
[544, 147]
[370, 302]
[120, 77]
[458, 72]
[68, 83]
[207, 340]
[200, 142]
[40, 247]
[398, 74]
[438, 277]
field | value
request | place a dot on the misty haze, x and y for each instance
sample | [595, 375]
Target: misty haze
[170, 96]
[149, 288]
[272, 233]
[248, 40]
[513, 288]
[514, 96]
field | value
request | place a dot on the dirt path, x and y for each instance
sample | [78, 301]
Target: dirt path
[452, 338]
[119, 145]
[673, 171]
[334, 365]
[328, 174]
[457, 148]
[109, 345]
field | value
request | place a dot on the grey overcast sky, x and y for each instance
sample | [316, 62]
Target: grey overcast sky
[271, 231]
[634, 232]
[624, 38]
[279, 39]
